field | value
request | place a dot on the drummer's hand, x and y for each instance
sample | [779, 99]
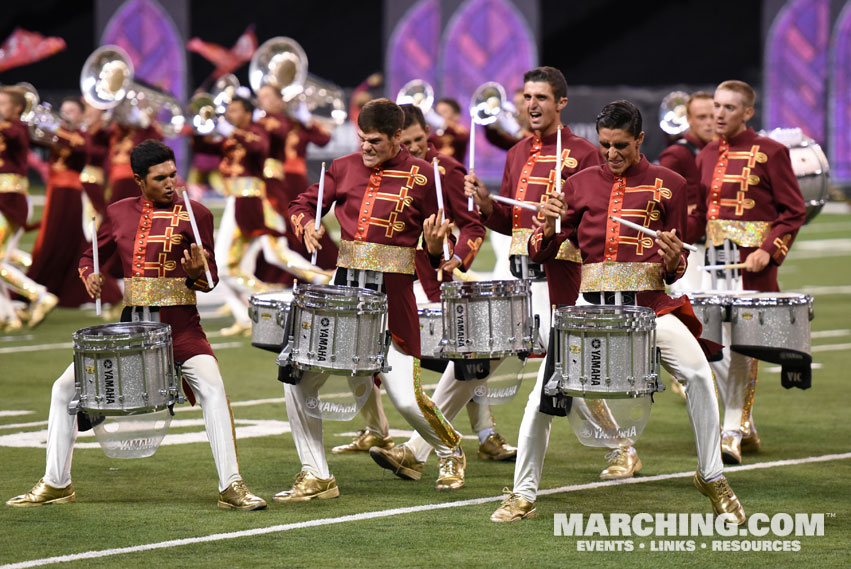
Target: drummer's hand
[757, 261]
[434, 233]
[551, 210]
[670, 247]
[93, 284]
[193, 261]
[449, 266]
[312, 236]
[475, 188]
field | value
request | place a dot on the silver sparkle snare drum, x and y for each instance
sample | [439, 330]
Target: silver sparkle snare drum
[772, 326]
[712, 310]
[487, 319]
[124, 369]
[431, 329]
[268, 313]
[337, 329]
[605, 352]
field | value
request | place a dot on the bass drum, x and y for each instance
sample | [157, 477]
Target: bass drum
[810, 166]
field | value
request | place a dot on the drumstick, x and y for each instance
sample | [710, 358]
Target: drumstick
[558, 174]
[439, 189]
[723, 267]
[318, 222]
[96, 260]
[516, 203]
[197, 237]
[650, 232]
[472, 158]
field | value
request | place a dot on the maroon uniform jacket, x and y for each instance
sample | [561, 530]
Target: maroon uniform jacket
[14, 145]
[451, 141]
[749, 194]
[381, 212]
[122, 141]
[529, 176]
[681, 157]
[277, 127]
[93, 175]
[616, 257]
[150, 240]
[471, 231]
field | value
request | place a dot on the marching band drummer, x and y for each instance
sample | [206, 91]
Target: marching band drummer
[384, 199]
[750, 196]
[530, 177]
[163, 269]
[628, 185]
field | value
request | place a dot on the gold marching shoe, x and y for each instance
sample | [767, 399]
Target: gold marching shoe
[495, 448]
[750, 441]
[236, 329]
[724, 500]
[514, 508]
[43, 494]
[731, 447]
[45, 303]
[678, 388]
[364, 441]
[238, 497]
[307, 487]
[451, 472]
[400, 460]
[623, 463]
[12, 325]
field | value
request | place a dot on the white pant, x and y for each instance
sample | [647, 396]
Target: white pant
[736, 377]
[399, 384]
[684, 359]
[203, 376]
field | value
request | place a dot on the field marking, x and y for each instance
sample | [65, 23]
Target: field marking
[393, 512]
[830, 333]
[819, 290]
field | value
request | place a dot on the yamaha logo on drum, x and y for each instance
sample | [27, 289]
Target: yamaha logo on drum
[325, 332]
[596, 362]
[109, 381]
[461, 324]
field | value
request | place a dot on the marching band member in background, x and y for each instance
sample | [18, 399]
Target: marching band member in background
[628, 182]
[93, 175]
[750, 196]
[384, 199]
[512, 126]
[530, 177]
[163, 269]
[449, 137]
[122, 140]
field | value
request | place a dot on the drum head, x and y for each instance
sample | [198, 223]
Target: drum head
[609, 422]
[504, 381]
[133, 436]
[338, 398]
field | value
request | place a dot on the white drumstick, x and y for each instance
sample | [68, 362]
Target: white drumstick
[318, 222]
[197, 237]
[472, 159]
[650, 232]
[558, 174]
[723, 267]
[438, 186]
[517, 203]
[96, 260]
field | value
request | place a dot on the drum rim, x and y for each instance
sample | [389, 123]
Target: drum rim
[790, 299]
[456, 289]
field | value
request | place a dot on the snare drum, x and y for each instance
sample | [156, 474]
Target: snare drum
[268, 313]
[605, 351]
[124, 369]
[337, 329]
[772, 326]
[712, 310]
[431, 329]
[486, 319]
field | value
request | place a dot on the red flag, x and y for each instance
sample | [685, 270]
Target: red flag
[23, 48]
[226, 60]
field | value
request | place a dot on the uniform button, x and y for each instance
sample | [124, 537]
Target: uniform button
[366, 211]
[523, 180]
[140, 241]
[138, 265]
[367, 203]
[614, 210]
[613, 229]
[611, 239]
[363, 219]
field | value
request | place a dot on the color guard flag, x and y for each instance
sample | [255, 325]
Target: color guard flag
[226, 60]
[23, 47]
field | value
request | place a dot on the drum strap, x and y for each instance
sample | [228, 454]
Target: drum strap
[360, 278]
[140, 314]
[559, 404]
[619, 298]
[534, 271]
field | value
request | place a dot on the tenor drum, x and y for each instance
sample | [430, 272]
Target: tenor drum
[431, 329]
[712, 310]
[810, 166]
[268, 313]
[772, 326]
[486, 319]
[337, 329]
[605, 352]
[124, 369]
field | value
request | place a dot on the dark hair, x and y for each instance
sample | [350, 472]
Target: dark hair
[75, 100]
[382, 116]
[451, 102]
[550, 75]
[245, 102]
[620, 115]
[16, 94]
[413, 114]
[149, 153]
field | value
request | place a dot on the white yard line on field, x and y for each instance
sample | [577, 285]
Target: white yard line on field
[392, 512]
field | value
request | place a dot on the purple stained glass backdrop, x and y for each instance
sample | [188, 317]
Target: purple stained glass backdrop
[796, 70]
[414, 47]
[840, 97]
[148, 34]
[486, 40]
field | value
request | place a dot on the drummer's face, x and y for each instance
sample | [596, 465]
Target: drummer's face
[159, 185]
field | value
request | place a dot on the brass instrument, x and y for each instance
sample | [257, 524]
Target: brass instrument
[673, 113]
[488, 103]
[107, 83]
[418, 93]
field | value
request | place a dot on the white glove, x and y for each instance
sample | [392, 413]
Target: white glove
[434, 120]
[302, 113]
[224, 128]
[507, 123]
[258, 114]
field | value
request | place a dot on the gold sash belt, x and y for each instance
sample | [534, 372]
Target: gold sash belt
[153, 291]
[376, 257]
[613, 277]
